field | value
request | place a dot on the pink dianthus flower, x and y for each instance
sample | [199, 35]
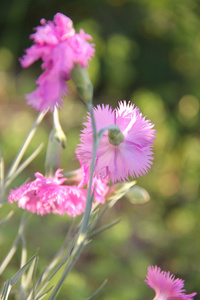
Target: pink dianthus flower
[166, 286]
[59, 47]
[46, 195]
[132, 157]
[50, 195]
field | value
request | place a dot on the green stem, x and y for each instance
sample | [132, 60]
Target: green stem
[25, 144]
[88, 207]
[81, 240]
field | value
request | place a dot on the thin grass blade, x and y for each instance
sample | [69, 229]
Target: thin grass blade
[24, 165]
[15, 244]
[9, 215]
[103, 228]
[21, 271]
[23, 148]
[44, 294]
[99, 290]
[6, 290]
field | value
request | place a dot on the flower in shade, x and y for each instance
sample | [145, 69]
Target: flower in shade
[59, 47]
[166, 286]
[121, 153]
[46, 195]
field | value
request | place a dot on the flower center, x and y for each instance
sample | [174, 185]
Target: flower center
[115, 136]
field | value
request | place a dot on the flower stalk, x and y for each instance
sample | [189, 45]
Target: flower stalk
[82, 235]
[57, 141]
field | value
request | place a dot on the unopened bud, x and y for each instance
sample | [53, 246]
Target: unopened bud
[82, 82]
[115, 136]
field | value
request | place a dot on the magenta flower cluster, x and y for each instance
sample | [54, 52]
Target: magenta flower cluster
[59, 47]
[166, 286]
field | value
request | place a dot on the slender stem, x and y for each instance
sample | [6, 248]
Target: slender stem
[56, 121]
[81, 240]
[23, 166]
[1, 170]
[25, 144]
[86, 216]
[1, 176]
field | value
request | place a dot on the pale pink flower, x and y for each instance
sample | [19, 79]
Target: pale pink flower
[132, 157]
[59, 47]
[166, 286]
[46, 195]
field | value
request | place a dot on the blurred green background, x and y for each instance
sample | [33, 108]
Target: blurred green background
[147, 51]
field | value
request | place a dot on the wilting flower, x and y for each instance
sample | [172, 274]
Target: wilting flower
[123, 152]
[46, 195]
[59, 47]
[166, 286]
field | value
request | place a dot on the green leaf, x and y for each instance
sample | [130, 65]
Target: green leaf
[44, 294]
[9, 215]
[99, 230]
[98, 291]
[11, 282]
[21, 271]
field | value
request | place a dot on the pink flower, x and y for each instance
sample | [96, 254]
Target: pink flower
[50, 195]
[99, 186]
[59, 47]
[132, 157]
[166, 286]
[46, 195]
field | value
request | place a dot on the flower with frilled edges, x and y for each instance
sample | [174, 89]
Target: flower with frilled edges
[123, 151]
[59, 47]
[47, 195]
[166, 286]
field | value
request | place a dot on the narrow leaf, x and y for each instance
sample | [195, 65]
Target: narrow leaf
[27, 141]
[21, 271]
[6, 290]
[103, 228]
[9, 215]
[98, 291]
[44, 294]
[24, 165]
[15, 244]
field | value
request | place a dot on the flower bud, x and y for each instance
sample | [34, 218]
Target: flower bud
[82, 82]
[115, 136]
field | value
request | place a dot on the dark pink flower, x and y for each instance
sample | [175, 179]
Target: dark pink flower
[132, 156]
[166, 286]
[59, 47]
[46, 195]
[50, 195]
